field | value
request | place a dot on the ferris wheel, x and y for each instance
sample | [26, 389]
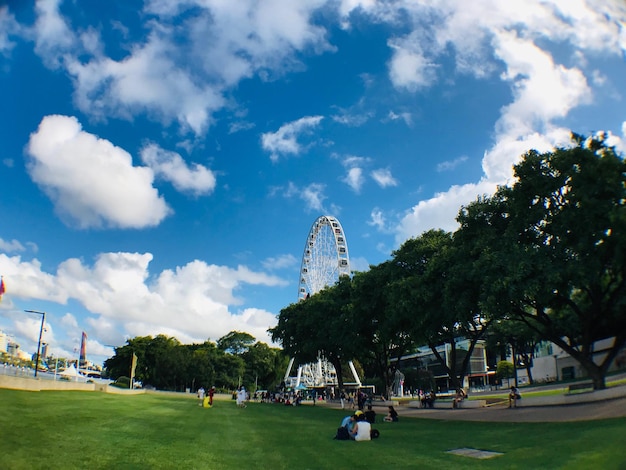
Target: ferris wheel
[324, 261]
[325, 258]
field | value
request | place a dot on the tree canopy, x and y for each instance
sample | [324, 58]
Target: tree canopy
[547, 252]
[166, 364]
[557, 245]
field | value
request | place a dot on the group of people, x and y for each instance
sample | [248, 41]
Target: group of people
[359, 426]
[358, 400]
[355, 427]
[206, 398]
[427, 400]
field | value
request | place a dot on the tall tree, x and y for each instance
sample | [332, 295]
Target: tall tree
[381, 324]
[263, 366]
[519, 338]
[443, 293]
[235, 342]
[560, 254]
[319, 326]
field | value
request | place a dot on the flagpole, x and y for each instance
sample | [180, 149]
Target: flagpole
[43, 320]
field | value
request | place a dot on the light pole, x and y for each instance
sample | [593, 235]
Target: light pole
[43, 320]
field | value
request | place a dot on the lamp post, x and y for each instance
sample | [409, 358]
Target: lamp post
[43, 320]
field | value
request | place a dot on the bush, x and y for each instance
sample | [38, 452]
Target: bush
[122, 382]
[505, 370]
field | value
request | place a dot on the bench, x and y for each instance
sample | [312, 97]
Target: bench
[580, 386]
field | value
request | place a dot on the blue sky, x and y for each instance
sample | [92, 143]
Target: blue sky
[162, 162]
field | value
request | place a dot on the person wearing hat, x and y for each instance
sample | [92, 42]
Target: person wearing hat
[361, 431]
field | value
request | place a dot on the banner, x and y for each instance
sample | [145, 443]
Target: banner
[133, 366]
[82, 359]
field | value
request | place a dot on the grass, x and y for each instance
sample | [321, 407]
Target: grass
[67, 430]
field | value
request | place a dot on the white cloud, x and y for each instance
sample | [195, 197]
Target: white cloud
[409, 68]
[90, 181]
[377, 219]
[351, 118]
[8, 27]
[405, 116]
[360, 264]
[170, 166]
[192, 302]
[147, 81]
[439, 211]
[451, 164]
[384, 178]
[240, 126]
[52, 33]
[485, 36]
[285, 140]
[313, 196]
[354, 179]
[183, 66]
[280, 262]
[613, 140]
[12, 246]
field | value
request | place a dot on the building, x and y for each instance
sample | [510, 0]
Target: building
[550, 363]
[4, 341]
[429, 368]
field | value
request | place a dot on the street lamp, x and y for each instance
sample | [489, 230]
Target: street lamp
[43, 320]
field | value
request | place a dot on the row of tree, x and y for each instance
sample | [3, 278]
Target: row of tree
[546, 255]
[164, 363]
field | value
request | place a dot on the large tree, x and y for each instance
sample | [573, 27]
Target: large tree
[236, 342]
[558, 248]
[381, 324]
[441, 294]
[320, 325]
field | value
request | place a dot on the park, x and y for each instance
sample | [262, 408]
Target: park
[161, 430]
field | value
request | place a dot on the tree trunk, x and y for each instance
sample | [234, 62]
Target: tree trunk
[529, 371]
[336, 362]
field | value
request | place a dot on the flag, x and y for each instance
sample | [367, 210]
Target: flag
[2, 287]
[133, 366]
[83, 350]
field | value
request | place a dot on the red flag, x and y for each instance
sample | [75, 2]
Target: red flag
[2, 287]
[83, 350]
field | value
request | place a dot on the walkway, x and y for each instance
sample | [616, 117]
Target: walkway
[613, 408]
[603, 404]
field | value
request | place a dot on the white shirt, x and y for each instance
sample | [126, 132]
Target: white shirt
[363, 431]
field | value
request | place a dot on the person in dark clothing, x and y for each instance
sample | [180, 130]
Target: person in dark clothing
[392, 415]
[370, 415]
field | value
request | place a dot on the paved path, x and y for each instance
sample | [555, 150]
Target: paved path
[582, 412]
[595, 407]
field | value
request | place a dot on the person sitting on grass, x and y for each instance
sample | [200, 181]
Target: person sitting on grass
[349, 421]
[514, 395]
[344, 432]
[392, 415]
[370, 415]
[362, 429]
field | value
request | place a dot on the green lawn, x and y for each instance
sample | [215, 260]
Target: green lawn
[91, 430]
